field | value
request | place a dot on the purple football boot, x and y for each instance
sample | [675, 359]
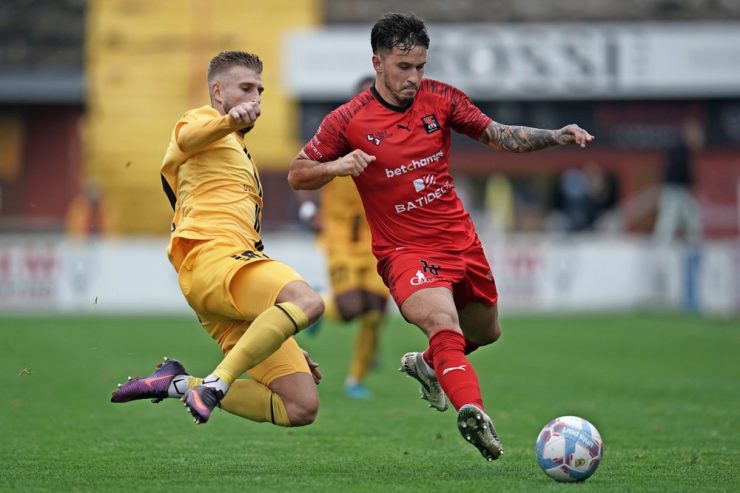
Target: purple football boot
[153, 387]
[201, 401]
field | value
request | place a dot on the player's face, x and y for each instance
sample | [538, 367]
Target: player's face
[400, 74]
[237, 85]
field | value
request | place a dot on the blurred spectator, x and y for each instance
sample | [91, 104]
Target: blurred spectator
[499, 203]
[88, 214]
[677, 207]
[574, 197]
[602, 194]
[584, 196]
[530, 203]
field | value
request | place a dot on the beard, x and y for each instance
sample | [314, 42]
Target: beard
[403, 99]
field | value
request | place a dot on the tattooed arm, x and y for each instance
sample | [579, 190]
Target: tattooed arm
[526, 139]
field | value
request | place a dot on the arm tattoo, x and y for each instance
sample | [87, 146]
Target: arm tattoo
[518, 139]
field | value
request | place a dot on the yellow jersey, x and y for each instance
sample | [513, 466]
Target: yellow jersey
[212, 182]
[344, 226]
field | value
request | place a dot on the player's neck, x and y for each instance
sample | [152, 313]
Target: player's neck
[385, 98]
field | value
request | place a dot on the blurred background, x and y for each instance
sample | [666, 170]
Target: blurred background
[647, 217]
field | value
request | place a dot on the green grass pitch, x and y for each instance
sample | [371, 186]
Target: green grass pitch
[663, 390]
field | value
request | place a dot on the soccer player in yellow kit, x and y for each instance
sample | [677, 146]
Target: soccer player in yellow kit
[249, 303]
[357, 289]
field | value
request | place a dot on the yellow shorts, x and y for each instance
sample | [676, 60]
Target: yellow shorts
[353, 271]
[228, 288]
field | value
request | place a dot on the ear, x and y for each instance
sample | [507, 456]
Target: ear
[217, 92]
[377, 64]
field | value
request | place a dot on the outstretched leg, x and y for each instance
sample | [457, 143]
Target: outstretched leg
[170, 379]
[433, 311]
[296, 306]
[264, 336]
[285, 393]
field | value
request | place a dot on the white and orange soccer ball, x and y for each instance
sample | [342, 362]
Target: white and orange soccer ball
[569, 449]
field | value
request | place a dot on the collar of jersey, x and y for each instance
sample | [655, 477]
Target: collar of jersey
[397, 109]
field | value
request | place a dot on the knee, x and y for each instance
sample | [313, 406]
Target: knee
[311, 303]
[493, 334]
[487, 336]
[301, 294]
[350, 305]
[348, 313]
[313, 306]
[302, 412]
[435, 321]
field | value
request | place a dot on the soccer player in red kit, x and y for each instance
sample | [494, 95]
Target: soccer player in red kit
[394, 140]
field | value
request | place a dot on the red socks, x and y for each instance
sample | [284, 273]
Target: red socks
[454, 373]
[470, 346]
[427, 355]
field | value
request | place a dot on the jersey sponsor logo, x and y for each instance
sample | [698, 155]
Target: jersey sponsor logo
[430, 123]
[414, 164]
[314, 145]
[423, 200]
[419, 279]
[377, 137]
[421, 183]
[248, 255]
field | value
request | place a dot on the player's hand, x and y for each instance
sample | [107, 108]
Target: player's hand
[314, 367]
[352, 164]
[245, 114]
[573, 134]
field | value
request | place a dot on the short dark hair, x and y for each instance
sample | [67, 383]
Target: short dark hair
[227, 59]
[402, 31]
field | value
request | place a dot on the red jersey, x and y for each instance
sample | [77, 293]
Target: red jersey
[408, 192]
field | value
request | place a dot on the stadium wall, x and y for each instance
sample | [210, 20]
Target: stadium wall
[146, 64]
[534, 274]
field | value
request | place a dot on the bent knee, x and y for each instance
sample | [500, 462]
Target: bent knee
[313, 306]
[485, 337]
[302, 413]
[348, 314]
[308, 300]
[492, 335]
[434, 321]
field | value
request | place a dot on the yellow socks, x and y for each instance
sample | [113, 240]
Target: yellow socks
[366, 343]
[263, 337]
[251, 400]
[254, 401]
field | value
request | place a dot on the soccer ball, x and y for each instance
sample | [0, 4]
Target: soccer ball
[569, 449]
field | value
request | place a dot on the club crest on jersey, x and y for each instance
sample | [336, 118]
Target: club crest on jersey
[430, 123]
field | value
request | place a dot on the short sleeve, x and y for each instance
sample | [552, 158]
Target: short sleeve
[465, 117]
[329, 142]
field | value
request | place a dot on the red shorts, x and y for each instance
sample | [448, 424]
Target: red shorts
[467, 274]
